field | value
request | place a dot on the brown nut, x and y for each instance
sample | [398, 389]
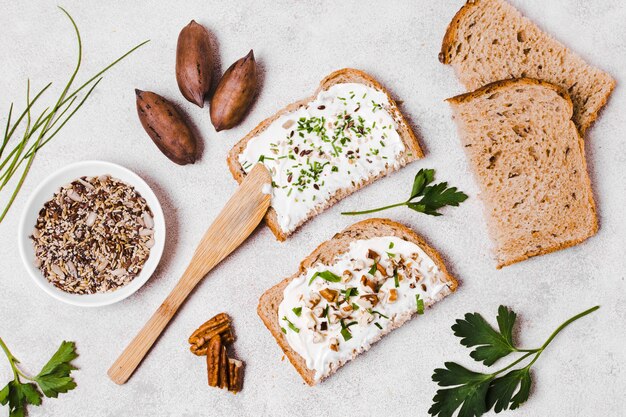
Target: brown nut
[235, 375]
[330, 295]
[194, 63]
[234, 93]
[167, 128]
[213, 360]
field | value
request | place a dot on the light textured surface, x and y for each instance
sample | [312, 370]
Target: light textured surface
[583, 374]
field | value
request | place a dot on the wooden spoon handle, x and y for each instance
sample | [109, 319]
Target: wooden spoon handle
[137, 349]
[241, 215]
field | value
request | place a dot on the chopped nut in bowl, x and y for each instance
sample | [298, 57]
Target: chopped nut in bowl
[92, 234]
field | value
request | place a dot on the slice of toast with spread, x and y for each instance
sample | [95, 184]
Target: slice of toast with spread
[386, 264]
[325, 147]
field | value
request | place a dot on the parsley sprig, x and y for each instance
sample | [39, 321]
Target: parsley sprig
[54, 379]
[425, 198]
[477, 393]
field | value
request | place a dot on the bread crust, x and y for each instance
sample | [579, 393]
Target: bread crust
[326, 253]
[412, 152]
[496, 85]
[452, 35]
[499, 85]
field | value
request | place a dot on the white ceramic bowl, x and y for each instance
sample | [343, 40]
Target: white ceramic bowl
[45, 191]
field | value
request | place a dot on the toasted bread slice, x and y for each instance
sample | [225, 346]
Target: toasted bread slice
[412, 148]
[529, 160]
[325, 254]
[490, 40]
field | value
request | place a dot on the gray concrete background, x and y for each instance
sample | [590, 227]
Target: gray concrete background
[296, 44]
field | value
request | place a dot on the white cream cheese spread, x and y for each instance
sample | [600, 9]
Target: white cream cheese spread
[331, 313]
[343, 137]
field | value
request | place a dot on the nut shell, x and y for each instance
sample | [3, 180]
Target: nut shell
[194, 63]
[234, 93]
[166, 127]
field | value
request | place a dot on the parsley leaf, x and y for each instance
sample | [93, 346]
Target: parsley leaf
[468, 392]
[473, 393]
[297, 311]
[425, 198]
[501, 390]
[492, 345]
[53, 379]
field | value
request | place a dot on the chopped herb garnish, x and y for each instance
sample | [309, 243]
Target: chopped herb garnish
[291, 325]
[373, 269]
[350, 292]
[297, 311]
[391, 245]
[283, 330]
[420, 304]
[379, 313]
[326, 275]
[391, 255]
[396, 279]
[345, 331]
[378, 325]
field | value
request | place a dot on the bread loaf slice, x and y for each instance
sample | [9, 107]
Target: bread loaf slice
[325, 254]
[411, 152]
[529, 160]
[490, 40]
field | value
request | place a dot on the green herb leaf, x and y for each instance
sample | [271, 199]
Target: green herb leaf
[379, 313]
[350, 292]
[45, 127]
[491, 345]
[436, 197]
[422, 179]
[475, 393]
[53, 379]
[419, 304]
[470, 389]
[291, 325]
[345, 332]
[425, 198]
[297, 311]
[373, 269]
[524, 390]
[396, 279]
[391, 245]
[501, 390]
[326, 275]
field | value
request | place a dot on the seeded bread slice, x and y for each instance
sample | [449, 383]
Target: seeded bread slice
[326, 254]
[412, 150]
[490, 40]
[529, 160]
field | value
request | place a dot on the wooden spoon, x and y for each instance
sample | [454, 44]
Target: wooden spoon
[233, 225]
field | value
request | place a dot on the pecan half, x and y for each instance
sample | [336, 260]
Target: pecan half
[217, 326]
[224, 369]
[235, 375]
[213, 360]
